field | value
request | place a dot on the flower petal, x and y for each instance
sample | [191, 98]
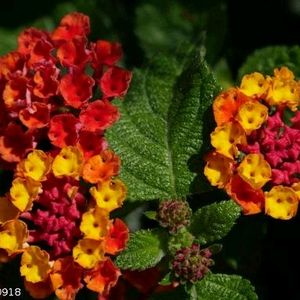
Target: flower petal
[99, 115]
[225, 139]
[66, 278]
[36, 166]
[13, 234]
[117, 237]
[35, 264]
[218, 169]
[68, 162]
[103, 277]
[101, 167]
[255, 170]
[95, 223]
[88, 252]
[251, 115]
[76, 88]
[109, 195]
[251, 200]
[115, 82]
[281, 202]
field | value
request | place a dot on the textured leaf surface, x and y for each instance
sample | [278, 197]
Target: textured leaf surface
[162, 124]
[212, 222]
[145, 249]
[222, 286]
[266, 59]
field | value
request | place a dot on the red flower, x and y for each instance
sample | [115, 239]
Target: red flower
[74, 53]
[91, 143]
[115, 82]
[10, 63]
[35, 116]
[99, 115]
[117, 237]
[46, 82]
[63, 130]
[41, 54]
[106, 53]
[103, 277]
[72, 26]
[251, 200]
[76, 88]
[15, 143]
[14, 94]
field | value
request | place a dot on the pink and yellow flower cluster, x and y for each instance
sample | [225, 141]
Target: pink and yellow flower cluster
[256, 156]
[56, 213]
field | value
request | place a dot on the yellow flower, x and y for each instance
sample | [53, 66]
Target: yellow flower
[95, 223]
[13, 235]
[281, 202]
[23, 192]
[255, 170]
[7, 210]
[109, 195]
[88, 252]
[252, 115]
[35, 264]
[284, 89]
[254, 84]
[68, 162]
[226, 137]
[218, 169]
[36, 166]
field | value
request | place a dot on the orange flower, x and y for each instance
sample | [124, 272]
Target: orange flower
[250, 199]
[226, 105]
[66, 278]
[101, 167]
[103, 277]
[117, 237]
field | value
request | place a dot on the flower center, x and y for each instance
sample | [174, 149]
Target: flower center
[280, 145]
[55, 217]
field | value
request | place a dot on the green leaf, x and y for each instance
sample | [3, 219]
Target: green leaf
[163, 121]
[212, 222]
[266, 59]
[151, 214]
[167, 279]
[222, 286]
[145, 249]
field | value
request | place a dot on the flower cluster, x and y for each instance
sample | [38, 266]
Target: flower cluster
[57, 87]
[174, 214]
[257, 144]
[191, 263]
[56, 214]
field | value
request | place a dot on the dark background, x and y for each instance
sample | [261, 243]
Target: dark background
[264, 250]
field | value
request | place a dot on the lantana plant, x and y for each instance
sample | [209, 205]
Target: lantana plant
[256, 144]
[55, 105]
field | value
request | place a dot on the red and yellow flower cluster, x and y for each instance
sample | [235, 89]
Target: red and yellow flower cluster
[56, 214]
[257, 148]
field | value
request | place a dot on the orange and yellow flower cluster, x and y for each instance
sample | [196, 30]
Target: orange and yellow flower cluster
[256, 156]
[56, 213]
